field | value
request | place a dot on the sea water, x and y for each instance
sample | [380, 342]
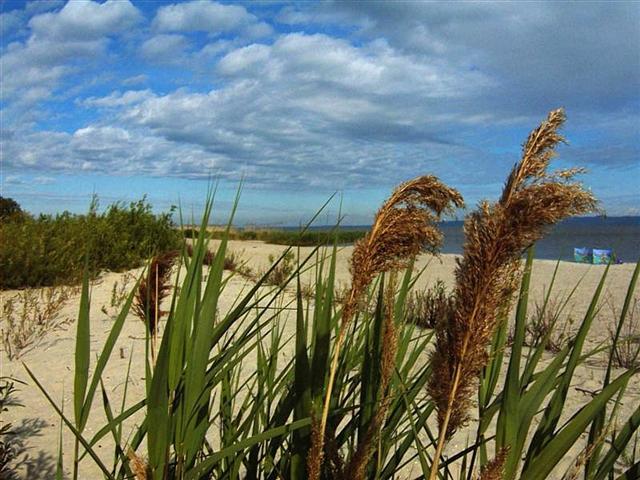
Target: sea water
[620, 234]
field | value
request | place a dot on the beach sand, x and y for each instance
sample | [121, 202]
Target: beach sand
[52, 361]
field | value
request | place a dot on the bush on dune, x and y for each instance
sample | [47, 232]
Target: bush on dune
[49, 250]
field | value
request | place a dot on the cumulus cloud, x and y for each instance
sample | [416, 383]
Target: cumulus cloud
[57, 43]
[305, 105]
[104, 149]
[117, 99]
[208, 16]
[542, 53]
[165, 48]
[86, 20]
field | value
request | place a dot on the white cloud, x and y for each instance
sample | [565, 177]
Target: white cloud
[60, 43]
[164, 48]
[307, 110]
[202, 15]
[384, 94]
[11, 22]
[541, 54]
[42, 63]
[136, 80]
[118, 99]
[22, 180]
[86, 20]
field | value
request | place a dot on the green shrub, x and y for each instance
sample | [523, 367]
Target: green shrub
[9, 209]
[307, 238]
[50, 250]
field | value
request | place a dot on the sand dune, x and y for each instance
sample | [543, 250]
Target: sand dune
[53, 360]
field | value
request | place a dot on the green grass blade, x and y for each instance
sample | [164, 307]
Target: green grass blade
[598, 423]
[59, 463]
[203, 468]
[535, 354]
[545, 431]
[117, 421]
[70, 426]
[81, 376]
[633, 473]
[541, 465]
[370, 371]
[618, 445]
[158, 415]
[195, 390]
[302, 388]
[119, 454]
[105, 354]
[508, 419]
[322, 335]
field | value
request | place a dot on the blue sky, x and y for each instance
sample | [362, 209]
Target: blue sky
[306, 99]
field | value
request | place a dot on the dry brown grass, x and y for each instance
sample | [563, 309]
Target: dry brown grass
[426, 308]
[495, 468]
[119, 293]
[30, 315]
[497, 234]
[545, 326]
[626, 353]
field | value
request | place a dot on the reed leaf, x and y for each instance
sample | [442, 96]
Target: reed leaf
[620, 441]
[545, 431]
[598, 423]
[548, 457]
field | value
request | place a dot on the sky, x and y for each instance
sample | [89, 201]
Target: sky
[304, 100]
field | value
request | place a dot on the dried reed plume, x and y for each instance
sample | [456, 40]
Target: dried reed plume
[153, 289]
[496, 236]
[403, 228]
[494, 470]
[208, 258]
[138, 466]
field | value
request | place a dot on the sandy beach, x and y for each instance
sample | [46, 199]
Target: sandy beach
[52, 361]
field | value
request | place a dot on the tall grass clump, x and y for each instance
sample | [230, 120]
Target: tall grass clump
[426, 308]
[51, 249]
[351, 392]
[624, 334]
[403, 228]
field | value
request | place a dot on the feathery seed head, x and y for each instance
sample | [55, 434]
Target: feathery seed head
[496, 235]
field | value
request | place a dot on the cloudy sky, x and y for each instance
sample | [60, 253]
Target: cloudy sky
[306, 99]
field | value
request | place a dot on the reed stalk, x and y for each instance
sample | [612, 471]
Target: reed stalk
[153, 289]
[356, 468]
[402, 229]
[496, 236]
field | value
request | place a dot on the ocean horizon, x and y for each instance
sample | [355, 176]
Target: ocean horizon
[620, 234]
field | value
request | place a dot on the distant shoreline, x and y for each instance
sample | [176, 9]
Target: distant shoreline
[620, 234]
